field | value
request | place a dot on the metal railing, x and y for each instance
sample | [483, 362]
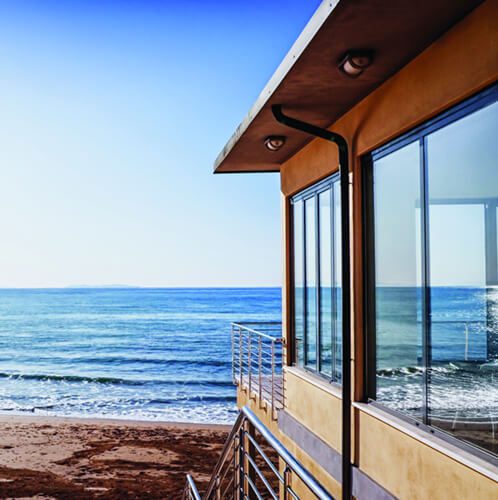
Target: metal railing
[257, 362]
[190, 492]
[255, 464]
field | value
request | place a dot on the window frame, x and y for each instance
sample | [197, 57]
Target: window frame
[313, 191]
[418, 134]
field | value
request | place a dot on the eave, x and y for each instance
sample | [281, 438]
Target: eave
[310, 84]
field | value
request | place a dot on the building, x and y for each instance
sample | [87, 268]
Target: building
[383, 123]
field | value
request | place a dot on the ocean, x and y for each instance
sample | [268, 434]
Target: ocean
[463, 352]
[134, 353]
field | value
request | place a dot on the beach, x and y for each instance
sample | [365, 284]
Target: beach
[70, 458]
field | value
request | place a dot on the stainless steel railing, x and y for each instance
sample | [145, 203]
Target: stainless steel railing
[257, 362]
[190, 492]
[255, 464]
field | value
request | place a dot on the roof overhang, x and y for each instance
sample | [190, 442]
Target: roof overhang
[309, 82]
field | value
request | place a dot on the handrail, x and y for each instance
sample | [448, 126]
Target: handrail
[224, 453]
[259, 333]
[244, 431]
[305, 476]
[191, 492]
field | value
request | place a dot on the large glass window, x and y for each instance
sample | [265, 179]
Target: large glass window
[398, 300]
[317, 285]
[298, 245]
[433, 306]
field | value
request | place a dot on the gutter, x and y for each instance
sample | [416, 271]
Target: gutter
[342, 145]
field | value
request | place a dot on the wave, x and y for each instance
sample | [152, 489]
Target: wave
[417, 370]
[123, 360]
[144, 403]
[109, 380]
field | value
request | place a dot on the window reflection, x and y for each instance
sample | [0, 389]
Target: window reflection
[463, 196]
[325, 282]
[317, 284]
[298, 280]
[435, 311]
[337, 276]
[311, 324]
[398, 298]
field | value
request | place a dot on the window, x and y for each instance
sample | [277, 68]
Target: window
[317, 284]
[432, 297]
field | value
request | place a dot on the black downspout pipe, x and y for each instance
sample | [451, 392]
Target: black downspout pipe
[346, 282]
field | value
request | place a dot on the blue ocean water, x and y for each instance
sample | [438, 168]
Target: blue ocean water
[463, 351]
[138, 353]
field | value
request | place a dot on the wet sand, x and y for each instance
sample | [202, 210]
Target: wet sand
[63, 458]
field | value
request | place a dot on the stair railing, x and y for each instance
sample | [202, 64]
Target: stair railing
[254, 464]
[190, 492]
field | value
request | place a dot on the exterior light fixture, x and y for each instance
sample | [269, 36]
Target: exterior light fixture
[275, 142]
[354, 63]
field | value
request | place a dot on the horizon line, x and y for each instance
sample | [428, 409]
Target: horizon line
[126, 287]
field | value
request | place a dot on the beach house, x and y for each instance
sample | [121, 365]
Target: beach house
[382, 379]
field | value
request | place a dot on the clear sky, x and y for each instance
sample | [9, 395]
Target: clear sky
[112, 113]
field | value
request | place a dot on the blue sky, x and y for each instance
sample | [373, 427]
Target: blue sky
[111, 116]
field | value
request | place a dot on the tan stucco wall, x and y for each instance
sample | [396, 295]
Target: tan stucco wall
[304, 394]
[411, 470]
[318, 472]
[459, 64]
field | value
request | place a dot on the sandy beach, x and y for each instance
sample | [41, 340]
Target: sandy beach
[65, 458]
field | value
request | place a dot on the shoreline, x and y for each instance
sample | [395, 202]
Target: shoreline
[7, 417]
[53, 457]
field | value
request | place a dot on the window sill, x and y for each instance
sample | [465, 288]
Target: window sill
[315, 380]
[452, 451]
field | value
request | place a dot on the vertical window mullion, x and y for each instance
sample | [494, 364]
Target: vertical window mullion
[369, 279]
[318, 364]
[333, 304]
[305, 293]
[425, 278]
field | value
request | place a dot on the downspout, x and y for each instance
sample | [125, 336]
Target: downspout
[342, 145]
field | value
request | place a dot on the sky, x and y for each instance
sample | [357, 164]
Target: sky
[112, 113]
[462, 181]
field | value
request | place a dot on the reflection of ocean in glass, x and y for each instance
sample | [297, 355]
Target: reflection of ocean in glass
[463, 377]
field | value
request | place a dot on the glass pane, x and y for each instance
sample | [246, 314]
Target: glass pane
[298, 280]
[325, 283]
[398, 297]
[337, 288]
[311, 326]
[463, 196]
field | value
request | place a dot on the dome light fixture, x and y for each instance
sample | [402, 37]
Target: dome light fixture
[275, 142]
[355, 62]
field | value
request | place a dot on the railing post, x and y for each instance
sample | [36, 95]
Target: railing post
[236, 458]
[251, 450]
[218, 485]
[241, 358]
[249, 362]
[241, 491]
[287, 483]
[260, 370]
[273, 378]
[233, 353]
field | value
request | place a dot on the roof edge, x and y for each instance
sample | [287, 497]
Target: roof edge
[310, 30]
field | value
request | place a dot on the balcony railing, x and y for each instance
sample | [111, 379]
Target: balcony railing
[257, 362]
[255, 464]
